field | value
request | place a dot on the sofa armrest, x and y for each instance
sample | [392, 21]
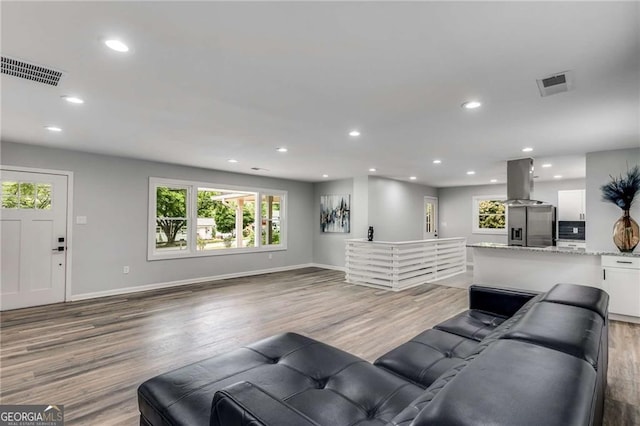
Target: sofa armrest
[246, 404]
[498, 301]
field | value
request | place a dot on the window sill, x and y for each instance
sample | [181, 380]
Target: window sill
[490, 231]
[224, 252]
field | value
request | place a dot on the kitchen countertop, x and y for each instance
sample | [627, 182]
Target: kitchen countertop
[552, 249]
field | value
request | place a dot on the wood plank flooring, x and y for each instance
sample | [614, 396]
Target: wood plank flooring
[92, 355]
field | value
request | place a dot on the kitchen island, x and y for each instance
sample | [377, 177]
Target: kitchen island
[539, 268]
[534, 268]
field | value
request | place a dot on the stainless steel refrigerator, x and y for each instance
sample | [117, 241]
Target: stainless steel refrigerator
[532, 226]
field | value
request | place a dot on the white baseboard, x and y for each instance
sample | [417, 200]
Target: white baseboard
[333, 267]
[156, 286]
[625, 318]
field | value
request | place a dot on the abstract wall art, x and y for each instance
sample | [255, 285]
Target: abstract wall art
[335, 213]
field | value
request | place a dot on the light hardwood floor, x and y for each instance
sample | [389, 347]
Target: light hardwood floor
[92, 355]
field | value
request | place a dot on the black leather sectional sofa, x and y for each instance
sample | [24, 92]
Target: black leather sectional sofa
[514, 358]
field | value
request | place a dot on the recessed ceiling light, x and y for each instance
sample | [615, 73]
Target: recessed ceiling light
[546, 165]
[73, 99]
[325, 176]
[117, 45]
[527, 149]
[53, 129]
[557, 177]
[437, 161]
[471, 105]
[372, 169]
[471, 172]
[413, 178]
[354, 133]
[493, 180]
[231, 160]
[282, 149]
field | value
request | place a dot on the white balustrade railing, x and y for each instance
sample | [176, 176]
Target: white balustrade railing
[400, 265]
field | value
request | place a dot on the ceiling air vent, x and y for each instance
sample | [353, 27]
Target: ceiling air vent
[29, 71]
[555, 83]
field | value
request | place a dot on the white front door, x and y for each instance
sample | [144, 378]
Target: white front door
[33, 234]
[430, 224]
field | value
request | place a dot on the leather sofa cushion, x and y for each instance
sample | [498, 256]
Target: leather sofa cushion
[471, 324]
[569, 329]
[326, 384]
[582, 296]
[511, 383]
[425, 357]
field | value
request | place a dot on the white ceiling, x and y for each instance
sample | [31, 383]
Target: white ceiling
[205, 82]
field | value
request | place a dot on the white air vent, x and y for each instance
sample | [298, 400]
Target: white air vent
[555, 83]
[29, 71]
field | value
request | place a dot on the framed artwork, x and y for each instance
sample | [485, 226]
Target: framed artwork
[335, 213]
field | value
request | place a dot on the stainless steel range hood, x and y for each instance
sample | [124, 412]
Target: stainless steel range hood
[520, 182]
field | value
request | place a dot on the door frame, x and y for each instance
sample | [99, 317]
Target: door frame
[437, 214]
[69, 175]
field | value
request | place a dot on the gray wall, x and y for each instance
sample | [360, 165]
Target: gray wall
[456, 207]
[393, 208]
[396, 209]
[329, 247]
[601, 215]
[113, 193]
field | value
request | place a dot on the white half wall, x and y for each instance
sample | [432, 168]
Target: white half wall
[112, 192]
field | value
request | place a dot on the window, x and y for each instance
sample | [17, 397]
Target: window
[190, 219]
[489, 214]
[26, 195]
[171, 220]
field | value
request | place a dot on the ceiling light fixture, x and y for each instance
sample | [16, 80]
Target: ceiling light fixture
[557, 177]
[546, 165]
[53, 129]
[117, 45]
[73, 99]
[282, 149]
[471, 105]
[527, 149]
[354, 133]
[437, 161]
[471, 172]
[231, 160]
[413, 178]
[372, 169]
[493, 180]
[325, 176]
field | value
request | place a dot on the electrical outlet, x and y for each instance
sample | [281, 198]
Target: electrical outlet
[125, 270]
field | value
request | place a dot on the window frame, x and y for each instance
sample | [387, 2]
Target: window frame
[475, 219]
[192, 218]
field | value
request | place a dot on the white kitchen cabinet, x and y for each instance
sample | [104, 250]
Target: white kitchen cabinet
[572, 205]
[621, 279]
